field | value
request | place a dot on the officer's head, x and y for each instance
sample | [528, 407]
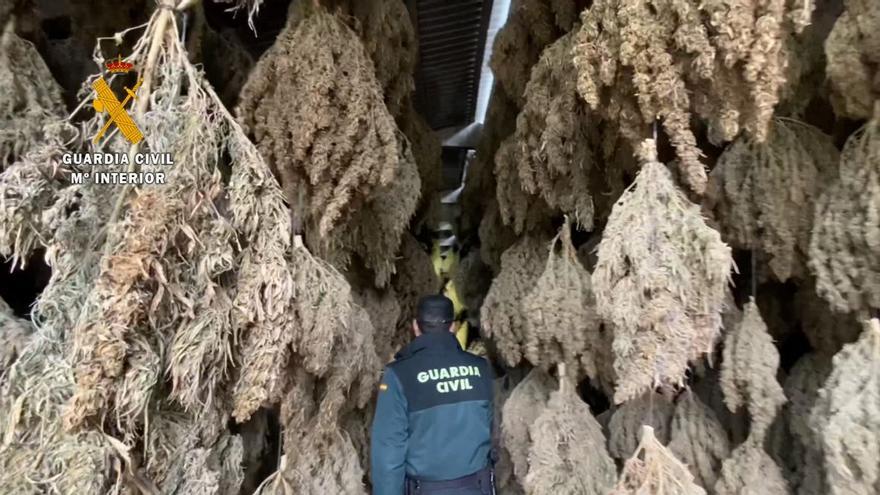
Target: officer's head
[435, 314]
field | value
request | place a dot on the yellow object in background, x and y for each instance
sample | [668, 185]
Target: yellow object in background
[458, 306]
[445, 259]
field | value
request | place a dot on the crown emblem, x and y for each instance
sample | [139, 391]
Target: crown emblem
[119, 65]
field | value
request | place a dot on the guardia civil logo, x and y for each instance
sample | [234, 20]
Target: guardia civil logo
[107, 102]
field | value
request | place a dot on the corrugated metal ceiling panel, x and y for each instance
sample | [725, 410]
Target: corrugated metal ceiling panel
[452, 36]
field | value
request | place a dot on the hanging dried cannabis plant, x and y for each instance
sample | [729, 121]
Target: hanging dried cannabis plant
[844, 253]
[751, 471]
[159, 284]
[187, 457]
[826, 330]
[316, 111]
[530, 27]
[625, 427]
[653, 469]
[29, 96]
[519, 209]
[846, 416]
[495, 237]
[698, 439]
[802, 386]
[853, 52]
[374, 232]
[390, 41]
[766, 192]
[519, 413]
[567, 454]
[27, 188]
[561, 323]
[414, 277]
[748, 371]
[503, 314]
[472, 279]
[15, 333]
[384, 310]
[554, 155]
[639, 61]
[426, 149]
[660, 280]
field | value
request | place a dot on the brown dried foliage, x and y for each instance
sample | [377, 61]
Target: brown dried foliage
[390, 41]
[531, 26]
[698, 439]
[648, 409]
[853, 52]
[29, 96]
[765, 192]
[123, 294]
[375, 231]
[503, 314]
[519, 209]
[751, 471]
[560, 314]
[495, 237]
[554, 155]
[825, 329]
[802, 386]
[567, 454]
[414, 277]
[847, 416]
[653, 469]
[317, 113]
[426, 149]
[519, 413]
[845, 247]
[748, 371]
[660, 280]
[640, 61]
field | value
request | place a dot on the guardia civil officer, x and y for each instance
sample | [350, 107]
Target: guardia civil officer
[432, 430]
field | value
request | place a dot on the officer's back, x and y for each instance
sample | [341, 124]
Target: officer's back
[432, 428]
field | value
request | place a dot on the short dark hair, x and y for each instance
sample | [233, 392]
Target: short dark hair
[435, 313]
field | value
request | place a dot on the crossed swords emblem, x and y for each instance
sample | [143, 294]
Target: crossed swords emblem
[107, 102]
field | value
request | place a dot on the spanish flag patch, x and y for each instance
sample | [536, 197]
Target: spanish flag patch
[383, 387]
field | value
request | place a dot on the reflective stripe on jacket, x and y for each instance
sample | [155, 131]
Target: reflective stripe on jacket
[433, 418]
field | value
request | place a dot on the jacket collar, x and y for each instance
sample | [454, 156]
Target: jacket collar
[430, 341]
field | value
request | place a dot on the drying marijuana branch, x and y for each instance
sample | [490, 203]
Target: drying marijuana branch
[561, 323]
[531, 26]
[316, 110]
[375, 230]
[698, 439]
[639, 61]
[27, 188]
[853, 52]
[554, 156]
[748, 371]
[390, 41]
[844, 253]
[751, 471]
[15, 333]
[653, 469]
[520, 410]
[825, 329]
[802, 386]
[29, 97]
[660, 280]
[766, 192]
[567, 455]
[846, 416]
[503, 314]
[625, 427]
